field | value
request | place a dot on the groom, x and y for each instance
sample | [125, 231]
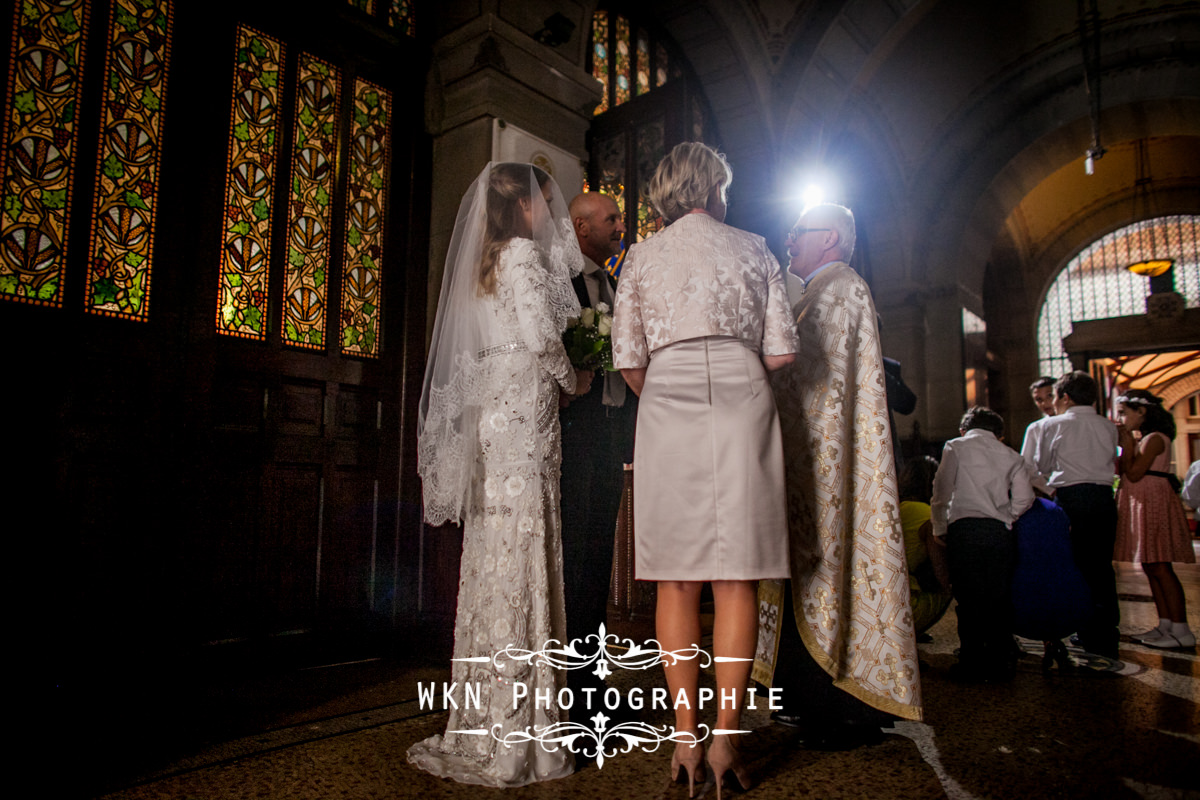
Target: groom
[597, 439]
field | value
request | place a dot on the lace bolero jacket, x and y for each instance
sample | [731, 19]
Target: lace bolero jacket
[699, 277]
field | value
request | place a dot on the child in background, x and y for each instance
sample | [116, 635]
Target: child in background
[1074, 452]
[1151, 525]
[981, 488]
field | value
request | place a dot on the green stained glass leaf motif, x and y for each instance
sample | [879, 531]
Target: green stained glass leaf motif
[305, 292]
[13, 207]
[150, 99]
[112, 167]
[127, 175]
[25, 102]
[250, 176]
[68, 22]
[105, 291]
[125, 19]
[134, 200]
[54, 199]
[366, 207]
[38, 158]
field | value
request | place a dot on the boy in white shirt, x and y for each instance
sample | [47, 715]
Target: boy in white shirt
[1075, 452]
[981, 488]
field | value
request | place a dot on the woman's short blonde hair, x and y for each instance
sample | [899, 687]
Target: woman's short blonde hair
[686, 179]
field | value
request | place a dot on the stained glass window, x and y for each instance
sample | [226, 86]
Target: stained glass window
[624, 72]
[363, 5]
[41, 137]
[627, 65]
[126, 201]
[650, 151]
[1095, 284]
[611, 162]
[402, 17]
[306, 288]
[600, 55]
[366, 194]
[254, 120]
[643, 61]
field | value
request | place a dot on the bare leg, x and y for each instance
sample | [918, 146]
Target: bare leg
[1167, 591]
[677, 623]
[1154, 577]
[677, 620]
[735, 635]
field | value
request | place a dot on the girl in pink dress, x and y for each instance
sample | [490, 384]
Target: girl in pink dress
[1151, 527]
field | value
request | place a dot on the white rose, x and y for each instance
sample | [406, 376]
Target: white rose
[604, 327]
[602, 308]
[588, 318]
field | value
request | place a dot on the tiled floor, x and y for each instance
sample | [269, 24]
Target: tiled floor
[342, 732]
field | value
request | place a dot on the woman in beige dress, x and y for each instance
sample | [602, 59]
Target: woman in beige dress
[701, 316]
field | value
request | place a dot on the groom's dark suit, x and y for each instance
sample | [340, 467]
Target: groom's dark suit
[596, 441]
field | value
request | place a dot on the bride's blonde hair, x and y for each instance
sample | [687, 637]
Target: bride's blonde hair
[508, 185]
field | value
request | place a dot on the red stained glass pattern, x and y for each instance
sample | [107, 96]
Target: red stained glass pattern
[244, 279]
[624, 71]
[123, 217]
[314, 158]
[643, 61]
[600, 55]
[41, 136]
[365, 214]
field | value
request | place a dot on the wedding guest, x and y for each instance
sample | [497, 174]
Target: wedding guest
[1074, 452]
[1041, 391]
[488, 455]
[597, 440]
[1151, 525]
[982, 488]
[701, 318]
[928, 576]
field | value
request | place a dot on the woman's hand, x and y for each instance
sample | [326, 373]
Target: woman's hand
[635, 379]
[583, 385]
[773, 363]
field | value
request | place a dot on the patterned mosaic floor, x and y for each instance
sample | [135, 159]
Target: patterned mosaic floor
[1124, 730]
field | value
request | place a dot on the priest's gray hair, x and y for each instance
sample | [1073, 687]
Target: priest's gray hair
[839, 218]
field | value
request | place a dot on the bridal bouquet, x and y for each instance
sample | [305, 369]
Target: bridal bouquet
[588, 339]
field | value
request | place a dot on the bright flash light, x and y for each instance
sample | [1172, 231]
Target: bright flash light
[813, 195]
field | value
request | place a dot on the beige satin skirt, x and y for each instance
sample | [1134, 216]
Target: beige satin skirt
[708, 467]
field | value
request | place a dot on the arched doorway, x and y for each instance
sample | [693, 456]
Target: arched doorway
[1128, 330]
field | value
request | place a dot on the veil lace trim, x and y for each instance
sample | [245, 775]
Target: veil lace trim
[467, 337]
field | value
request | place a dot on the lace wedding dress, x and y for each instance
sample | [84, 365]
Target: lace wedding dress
[510, 584]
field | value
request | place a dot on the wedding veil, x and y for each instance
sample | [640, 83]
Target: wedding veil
[455, 374]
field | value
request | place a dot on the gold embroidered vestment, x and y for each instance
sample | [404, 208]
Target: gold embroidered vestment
[849, 574]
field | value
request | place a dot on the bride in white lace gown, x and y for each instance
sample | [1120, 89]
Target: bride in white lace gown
[490, 452]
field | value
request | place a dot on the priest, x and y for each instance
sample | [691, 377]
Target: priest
[838, 638]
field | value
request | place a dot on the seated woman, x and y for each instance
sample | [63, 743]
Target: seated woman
[928, 578]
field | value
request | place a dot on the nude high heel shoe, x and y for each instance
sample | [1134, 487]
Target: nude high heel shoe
[724, 757]
[688, 758]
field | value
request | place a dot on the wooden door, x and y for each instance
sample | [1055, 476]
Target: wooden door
[190, 485]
